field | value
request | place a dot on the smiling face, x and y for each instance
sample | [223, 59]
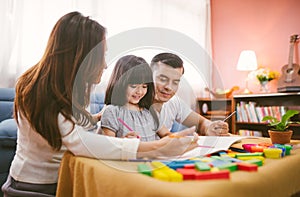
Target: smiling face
[135, 92]
[166, 80]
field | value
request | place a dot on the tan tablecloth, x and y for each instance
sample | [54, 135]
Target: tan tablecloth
[81, 176]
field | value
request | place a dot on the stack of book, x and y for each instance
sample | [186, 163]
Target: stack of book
[250, 112]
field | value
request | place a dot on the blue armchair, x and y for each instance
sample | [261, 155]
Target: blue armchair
[8, 132]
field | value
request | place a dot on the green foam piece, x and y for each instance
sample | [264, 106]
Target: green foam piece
[257, 162]
[288, 149]
[202, 166]
[144, 169]
[230, 166]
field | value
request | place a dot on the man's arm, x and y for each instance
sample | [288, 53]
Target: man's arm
[205, 126]
[195, 119]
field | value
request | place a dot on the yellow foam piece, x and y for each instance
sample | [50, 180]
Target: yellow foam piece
[196, 158]
[214, 169]
[252, 157]
[163, 172]
[174, 176]
[206, 159]
[158, 164]
[161, 175]
[273, 153]
[231, 155]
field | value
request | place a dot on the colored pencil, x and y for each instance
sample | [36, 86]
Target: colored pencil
[229, 116]
[125, 125]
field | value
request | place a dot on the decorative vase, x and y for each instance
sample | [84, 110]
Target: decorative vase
[264, 86]
[280, 137]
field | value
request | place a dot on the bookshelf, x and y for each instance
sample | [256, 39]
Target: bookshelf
[266, 103]
[215, 109]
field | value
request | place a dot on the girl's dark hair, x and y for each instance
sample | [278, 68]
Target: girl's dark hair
[62, 80]
[130, 69]
[169, 59]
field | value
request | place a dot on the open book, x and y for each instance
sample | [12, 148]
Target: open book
[210, 144]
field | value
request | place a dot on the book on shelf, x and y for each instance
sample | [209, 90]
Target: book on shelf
[250, 112]
[260, 113]
[253, 113]
[243, 132]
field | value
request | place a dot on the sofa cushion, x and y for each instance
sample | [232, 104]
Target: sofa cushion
[8, 128]
[177, 127]
[96, 102]
[6, 108]
[7, 94]
[8, 133]
[8, 142]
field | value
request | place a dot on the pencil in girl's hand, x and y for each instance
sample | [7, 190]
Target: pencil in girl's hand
[125, 125]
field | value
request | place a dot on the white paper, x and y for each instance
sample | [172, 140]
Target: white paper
[213, 143]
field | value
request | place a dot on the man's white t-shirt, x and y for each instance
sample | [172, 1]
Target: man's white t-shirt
[174, 110]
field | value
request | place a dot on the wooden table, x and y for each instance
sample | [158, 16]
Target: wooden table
[81, 176]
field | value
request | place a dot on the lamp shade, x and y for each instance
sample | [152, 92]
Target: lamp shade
[247, 61]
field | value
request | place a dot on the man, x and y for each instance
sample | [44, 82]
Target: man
[167, 70]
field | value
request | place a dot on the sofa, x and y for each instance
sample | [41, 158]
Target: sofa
[8, 132]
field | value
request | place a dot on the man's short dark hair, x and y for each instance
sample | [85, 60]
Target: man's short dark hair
[169, 59]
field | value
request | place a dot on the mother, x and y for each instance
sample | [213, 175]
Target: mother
[50, 109]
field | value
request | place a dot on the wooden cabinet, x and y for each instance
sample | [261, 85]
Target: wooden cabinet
[272, 100]
[215, 109]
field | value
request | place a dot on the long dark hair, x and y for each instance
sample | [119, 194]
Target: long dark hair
[62, 80]
[130, 69]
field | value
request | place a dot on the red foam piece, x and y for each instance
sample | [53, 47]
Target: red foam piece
[189, 166]
[223, 174]
[188, 174]
[247, 147]
[247, 167]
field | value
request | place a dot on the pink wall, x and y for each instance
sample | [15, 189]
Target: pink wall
[264, 26]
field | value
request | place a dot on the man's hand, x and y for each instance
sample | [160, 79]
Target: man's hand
[218, 128]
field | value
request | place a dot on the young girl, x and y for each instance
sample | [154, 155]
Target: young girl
[129, 97]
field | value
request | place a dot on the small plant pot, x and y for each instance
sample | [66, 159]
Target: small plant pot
[280, 137]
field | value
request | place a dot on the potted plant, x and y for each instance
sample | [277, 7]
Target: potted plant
[279, 131]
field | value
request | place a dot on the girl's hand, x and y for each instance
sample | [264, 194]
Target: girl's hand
[218, 128]
[132, 134]
[97, 117]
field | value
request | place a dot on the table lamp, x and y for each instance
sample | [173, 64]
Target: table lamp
[247, 62]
